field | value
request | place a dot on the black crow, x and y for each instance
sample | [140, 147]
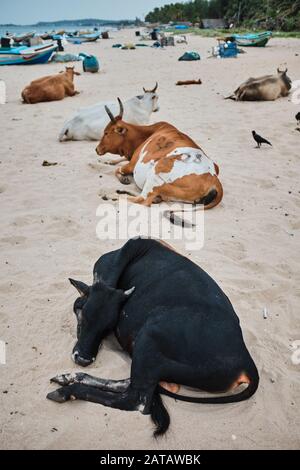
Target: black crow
[260, 140]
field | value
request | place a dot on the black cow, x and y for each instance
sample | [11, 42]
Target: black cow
[174, 321]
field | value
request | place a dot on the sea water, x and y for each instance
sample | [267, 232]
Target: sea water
[50, 27]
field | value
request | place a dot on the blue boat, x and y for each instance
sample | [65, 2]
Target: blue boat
[253, 39]
[83, 38]
[27, 55]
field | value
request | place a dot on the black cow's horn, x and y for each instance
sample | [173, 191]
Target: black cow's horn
[121, 109]
[111, 116]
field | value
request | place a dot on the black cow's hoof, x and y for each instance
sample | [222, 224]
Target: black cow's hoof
[61, 395]
[63, 379]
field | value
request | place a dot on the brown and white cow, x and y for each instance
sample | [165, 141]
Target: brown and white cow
[51, 88]
[166, 164]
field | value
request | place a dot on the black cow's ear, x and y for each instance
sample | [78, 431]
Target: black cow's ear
[128, 292]
[82, 288]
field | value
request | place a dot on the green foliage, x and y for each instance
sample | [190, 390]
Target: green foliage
[270, 14]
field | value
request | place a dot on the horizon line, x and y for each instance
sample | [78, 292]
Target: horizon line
[69, 21]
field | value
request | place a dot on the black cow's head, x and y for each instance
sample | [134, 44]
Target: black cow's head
[97, 311]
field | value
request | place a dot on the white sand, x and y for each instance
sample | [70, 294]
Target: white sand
[251, 247]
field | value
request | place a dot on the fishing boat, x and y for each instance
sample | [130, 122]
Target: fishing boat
[78, 39]
[23, 37]
[26, 55]
[254, 39]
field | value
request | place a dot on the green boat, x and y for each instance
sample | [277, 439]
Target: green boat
[252, 40]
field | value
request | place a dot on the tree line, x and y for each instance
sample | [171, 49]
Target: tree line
[273, 14]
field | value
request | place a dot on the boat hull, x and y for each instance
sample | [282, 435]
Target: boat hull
[252, 40]
[259, 43]
[83, 38]
[24, 56]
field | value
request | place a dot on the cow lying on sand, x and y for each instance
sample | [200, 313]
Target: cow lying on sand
[89, 123]
[266, 88]
[166, 164]
[51, 88]
[175, 322]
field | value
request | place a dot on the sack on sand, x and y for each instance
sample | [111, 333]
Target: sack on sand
[65, 58]
[129, 46]
[190, 56]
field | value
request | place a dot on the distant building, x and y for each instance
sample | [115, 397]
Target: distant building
[213, 23]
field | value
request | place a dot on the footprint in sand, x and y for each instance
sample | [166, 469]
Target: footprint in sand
[235, 251]
[63, 226]
[10, 287]
[13, 240]
[95, 167]
[106, 196]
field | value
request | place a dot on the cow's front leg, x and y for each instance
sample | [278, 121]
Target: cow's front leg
[70, 91]
[86, 379]
[124, 174]
[115, 162]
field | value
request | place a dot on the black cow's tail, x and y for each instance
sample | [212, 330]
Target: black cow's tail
[159, 415]
[244, 395]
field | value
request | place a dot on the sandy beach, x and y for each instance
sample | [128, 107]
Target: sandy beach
[48, 233]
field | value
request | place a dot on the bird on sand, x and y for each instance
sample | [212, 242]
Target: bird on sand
[298, 118]
[260, 140]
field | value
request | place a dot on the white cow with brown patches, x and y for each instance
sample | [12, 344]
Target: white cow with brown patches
[166, 164]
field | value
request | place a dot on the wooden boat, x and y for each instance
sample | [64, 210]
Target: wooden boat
[23, 37]
[91, 37]
[252, 40]
[26, 55]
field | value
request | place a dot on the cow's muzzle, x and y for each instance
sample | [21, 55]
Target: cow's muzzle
[99, 151]
[81, 359]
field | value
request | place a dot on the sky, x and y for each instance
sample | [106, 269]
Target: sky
[32, 11]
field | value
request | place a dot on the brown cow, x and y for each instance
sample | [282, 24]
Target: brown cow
[51, 88]
[266, 88]
[166, 164]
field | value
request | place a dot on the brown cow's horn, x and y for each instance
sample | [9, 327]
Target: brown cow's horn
[111, 116]
[121, 109]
